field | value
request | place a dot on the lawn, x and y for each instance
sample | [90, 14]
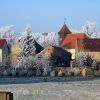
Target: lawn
[53, 90]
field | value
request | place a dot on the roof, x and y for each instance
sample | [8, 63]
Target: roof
[64, 29]
[89, 44]
[54, 51]
[70, 40]
[38, 47]
[2, 43]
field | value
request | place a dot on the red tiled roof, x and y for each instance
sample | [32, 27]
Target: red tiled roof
[64, 29]
[2, 42]
[70, 40]
[89, 44]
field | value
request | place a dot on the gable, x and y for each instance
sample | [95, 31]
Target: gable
[2, 43]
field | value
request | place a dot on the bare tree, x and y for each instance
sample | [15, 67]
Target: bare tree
[92, 29]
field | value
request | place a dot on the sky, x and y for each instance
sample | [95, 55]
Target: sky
[48, 15]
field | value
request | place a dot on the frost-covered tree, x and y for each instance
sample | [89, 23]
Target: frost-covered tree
[88, 62]
[7, 60]
[49, 39]
[8, 33]
[83, 60]
[92, 29]
[80, 59]
[46, 63]
[27, 49]
[28, 45]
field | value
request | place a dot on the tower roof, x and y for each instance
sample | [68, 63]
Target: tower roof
[64, 29]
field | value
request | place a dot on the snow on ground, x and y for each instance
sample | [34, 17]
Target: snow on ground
[68, 90]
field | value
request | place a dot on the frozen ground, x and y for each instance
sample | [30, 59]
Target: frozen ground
[69, 90]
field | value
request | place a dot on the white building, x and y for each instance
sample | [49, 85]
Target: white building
[4, 50]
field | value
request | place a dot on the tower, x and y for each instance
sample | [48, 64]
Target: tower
[63, 32]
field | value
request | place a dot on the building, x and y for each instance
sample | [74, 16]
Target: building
[4, 50]
[70, 42]
[58, 57]
[90, 47]
[77, 42]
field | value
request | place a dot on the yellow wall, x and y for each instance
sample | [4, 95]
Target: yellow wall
[94, 55]
[72, 51]
[14, 52]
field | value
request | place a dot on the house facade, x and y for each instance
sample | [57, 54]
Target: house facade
[58, 57]
[4, 50]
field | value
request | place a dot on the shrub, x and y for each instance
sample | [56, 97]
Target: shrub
[77, 71]
[60, 73]
[38, 72]
[30, 73]
[52, 73]
[87, 72]
[13, 72]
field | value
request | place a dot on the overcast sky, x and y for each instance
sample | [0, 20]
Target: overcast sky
[48, 15]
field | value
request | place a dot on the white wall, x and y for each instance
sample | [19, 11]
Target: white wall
[0, 55]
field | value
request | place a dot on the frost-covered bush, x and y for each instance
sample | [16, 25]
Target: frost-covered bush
[1, 71]
[70, 73]
[12, 71]
[52, 73]
[60, 73]
[7, 72]
[80, 59]
[22, 73]
[94, 64]
[99, 64]
[83, 60]
[88, 62]
[78, 71]
[30, 73]
[38, 72]
[45, 71]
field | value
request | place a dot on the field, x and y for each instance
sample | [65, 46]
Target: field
[71, 89]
